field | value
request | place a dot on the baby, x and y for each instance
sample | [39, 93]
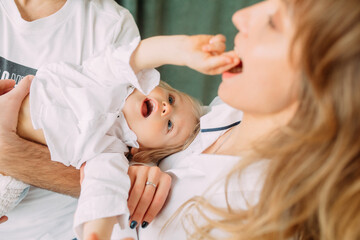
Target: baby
[94, 113]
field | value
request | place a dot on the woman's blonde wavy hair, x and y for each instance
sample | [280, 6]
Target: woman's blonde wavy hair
[312, 185]
[154, 155]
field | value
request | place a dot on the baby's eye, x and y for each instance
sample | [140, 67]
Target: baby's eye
[170, 126]
[171, 99]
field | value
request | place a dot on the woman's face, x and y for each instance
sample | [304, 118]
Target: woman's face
[268, 82]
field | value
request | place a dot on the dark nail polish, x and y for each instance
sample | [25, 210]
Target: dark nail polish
[144, 224]
[133, 224]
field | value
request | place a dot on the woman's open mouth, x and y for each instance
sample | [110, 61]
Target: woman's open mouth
[237, 69]
[233, 71]
[147, 107]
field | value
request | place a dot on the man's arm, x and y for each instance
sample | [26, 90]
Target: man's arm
[25, 160]
[30, 163]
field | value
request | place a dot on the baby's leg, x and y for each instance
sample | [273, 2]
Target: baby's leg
[25, 128]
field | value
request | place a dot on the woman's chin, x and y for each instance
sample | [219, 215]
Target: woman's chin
[224, 92]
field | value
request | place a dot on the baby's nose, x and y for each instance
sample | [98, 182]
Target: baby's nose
[166, 109]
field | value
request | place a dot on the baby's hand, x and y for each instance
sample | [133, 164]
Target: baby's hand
[206, 54]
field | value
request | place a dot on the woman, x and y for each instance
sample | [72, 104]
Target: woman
[298, 89]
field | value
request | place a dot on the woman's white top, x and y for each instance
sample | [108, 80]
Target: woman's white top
[79, 109]
[196, 174]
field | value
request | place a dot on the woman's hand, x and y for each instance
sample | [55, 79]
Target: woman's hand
[145, 200]
[206, 54]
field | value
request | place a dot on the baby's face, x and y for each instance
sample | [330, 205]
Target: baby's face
[161, 119]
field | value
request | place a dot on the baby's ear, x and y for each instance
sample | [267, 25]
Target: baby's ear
[134, 150]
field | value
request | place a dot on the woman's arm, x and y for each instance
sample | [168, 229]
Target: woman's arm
[204, 53]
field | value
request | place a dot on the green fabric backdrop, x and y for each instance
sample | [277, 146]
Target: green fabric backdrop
[168, 17]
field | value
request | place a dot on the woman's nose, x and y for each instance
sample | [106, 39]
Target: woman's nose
[241, 21]
[166, 109]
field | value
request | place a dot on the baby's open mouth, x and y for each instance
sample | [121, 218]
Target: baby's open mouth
[147, 107]
[237, 69]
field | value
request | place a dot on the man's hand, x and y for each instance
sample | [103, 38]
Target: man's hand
[6, 85]
[10, 102]
[206, 54]
[145, 200]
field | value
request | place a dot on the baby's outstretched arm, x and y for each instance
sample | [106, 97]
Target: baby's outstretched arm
[204, 53]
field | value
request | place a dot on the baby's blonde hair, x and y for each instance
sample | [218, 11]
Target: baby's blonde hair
[154, 155]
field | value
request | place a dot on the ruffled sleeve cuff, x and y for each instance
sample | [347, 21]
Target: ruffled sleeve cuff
[117, 58]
